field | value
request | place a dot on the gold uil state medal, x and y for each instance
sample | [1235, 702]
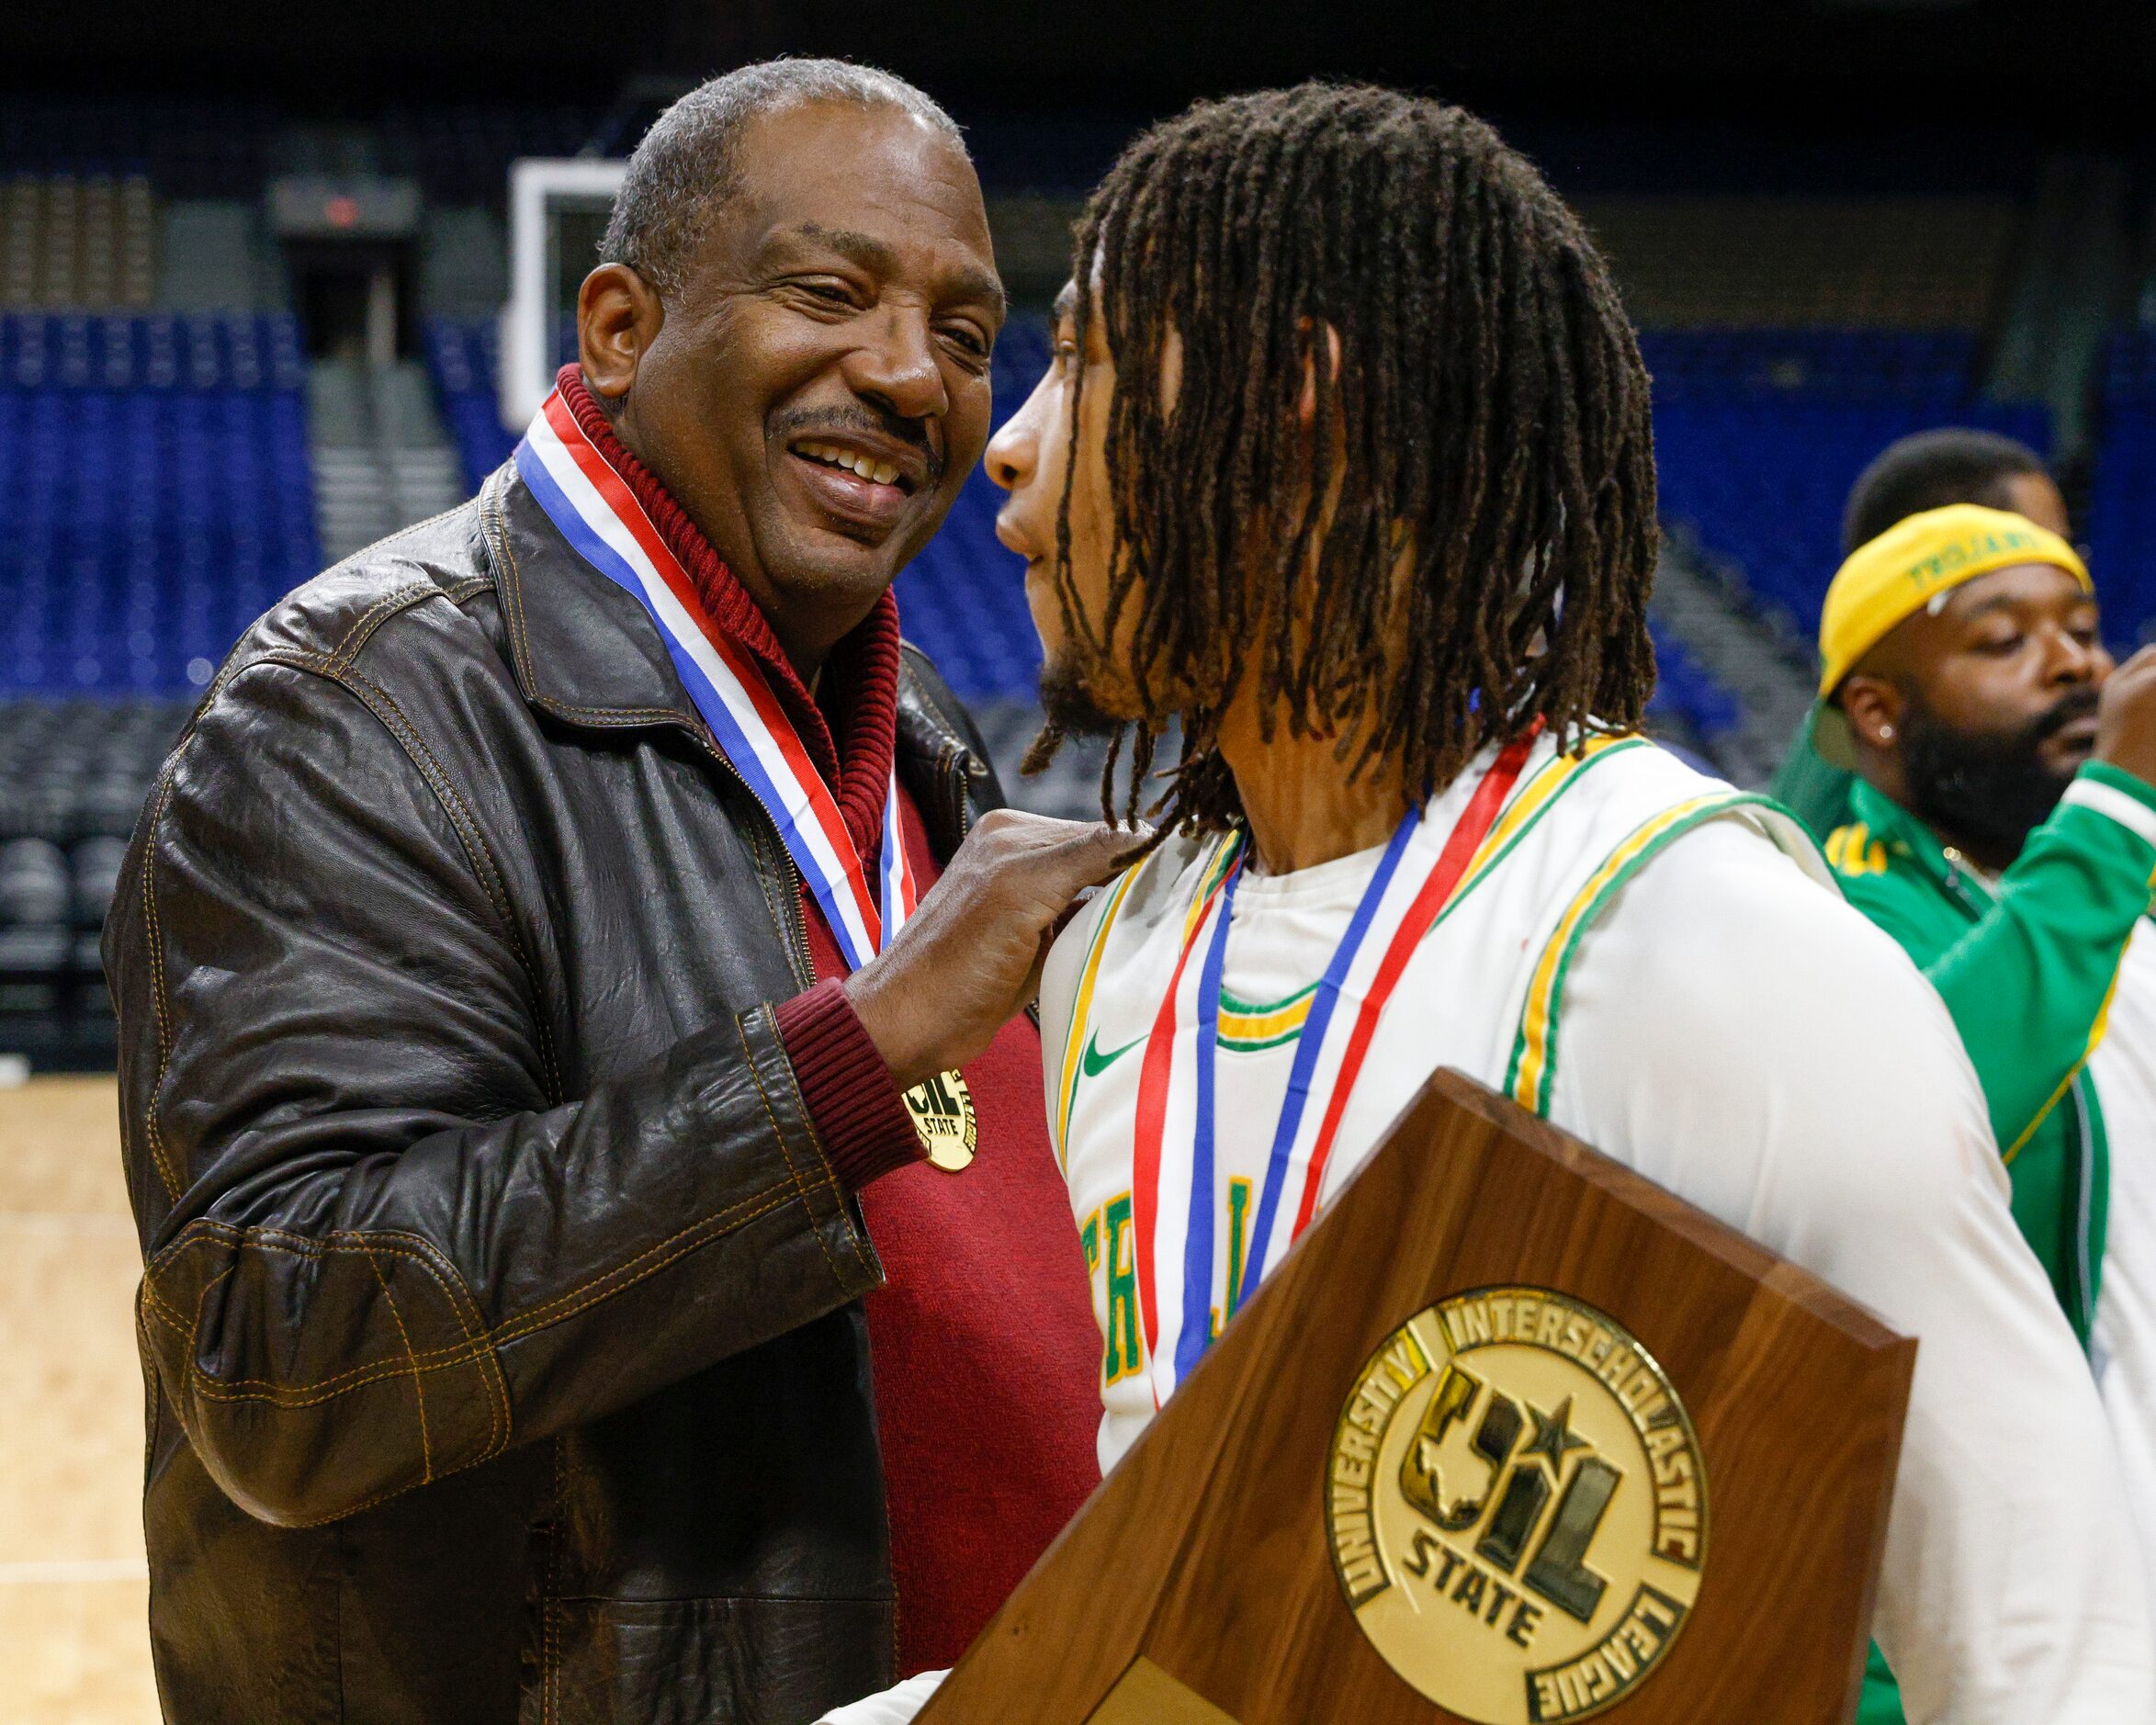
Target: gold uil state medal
[942, 1115]
[1517, 1507]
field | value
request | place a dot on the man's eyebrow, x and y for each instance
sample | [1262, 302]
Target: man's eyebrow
[2014, 602]
[864, 249]
[1065, 304]
[868, 253]
[984, 285]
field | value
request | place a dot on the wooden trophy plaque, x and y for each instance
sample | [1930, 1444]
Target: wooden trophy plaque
[1511, 1435]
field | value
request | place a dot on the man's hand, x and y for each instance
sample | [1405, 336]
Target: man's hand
[970, 957]
[2126, 717]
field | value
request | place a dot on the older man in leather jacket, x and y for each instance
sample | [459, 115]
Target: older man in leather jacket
[546, 1312]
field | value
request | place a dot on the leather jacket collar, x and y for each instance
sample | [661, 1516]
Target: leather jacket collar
[585, 654]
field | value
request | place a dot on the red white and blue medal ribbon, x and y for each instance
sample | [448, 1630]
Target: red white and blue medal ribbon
[1405, 896]
[599, 516]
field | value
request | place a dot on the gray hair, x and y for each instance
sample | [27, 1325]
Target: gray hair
[684, 166]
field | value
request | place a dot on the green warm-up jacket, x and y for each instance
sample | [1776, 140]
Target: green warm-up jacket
[2025, 964]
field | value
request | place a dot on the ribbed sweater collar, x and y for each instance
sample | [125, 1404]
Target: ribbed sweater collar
[862, 670]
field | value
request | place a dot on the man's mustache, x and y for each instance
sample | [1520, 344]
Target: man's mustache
[837, 421]
[2071, 707]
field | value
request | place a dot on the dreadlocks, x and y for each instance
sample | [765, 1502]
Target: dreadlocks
[1482, 558]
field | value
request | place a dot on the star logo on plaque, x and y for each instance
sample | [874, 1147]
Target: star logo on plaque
[1517, 1507]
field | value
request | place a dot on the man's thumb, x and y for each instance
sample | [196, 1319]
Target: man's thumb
[1105, 848]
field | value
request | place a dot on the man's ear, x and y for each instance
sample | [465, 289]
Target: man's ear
[1306, 403]
[617, 318]
[1874, 708]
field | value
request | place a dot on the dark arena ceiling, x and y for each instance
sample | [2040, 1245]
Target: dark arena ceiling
[2074, 69]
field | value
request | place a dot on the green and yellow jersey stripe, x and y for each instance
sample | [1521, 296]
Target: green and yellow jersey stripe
[1534, 1048]
[1215, 871]
[1074, 1041]
[1247, 1026]
[1557, 776]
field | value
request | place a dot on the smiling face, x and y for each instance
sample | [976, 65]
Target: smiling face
[816, 391]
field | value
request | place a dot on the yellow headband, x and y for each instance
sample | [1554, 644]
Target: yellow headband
[1896, 575]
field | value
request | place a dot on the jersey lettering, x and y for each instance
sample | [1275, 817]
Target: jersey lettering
[1120, 1357]
[1238, 1242]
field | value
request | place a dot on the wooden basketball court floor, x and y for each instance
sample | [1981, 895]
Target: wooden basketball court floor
[73, 1649]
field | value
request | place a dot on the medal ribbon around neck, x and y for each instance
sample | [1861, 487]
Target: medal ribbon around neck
[1366, 967]
[599, 516]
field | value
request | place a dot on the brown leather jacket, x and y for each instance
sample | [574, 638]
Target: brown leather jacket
[501, 1317]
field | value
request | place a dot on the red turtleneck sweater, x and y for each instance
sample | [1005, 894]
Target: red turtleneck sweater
[981, 1338]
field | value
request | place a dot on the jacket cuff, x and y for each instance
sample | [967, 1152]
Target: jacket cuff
[2120, 794]
[852, 1100]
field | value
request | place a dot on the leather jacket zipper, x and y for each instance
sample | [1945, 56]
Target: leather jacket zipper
[797, 917]
[951, 763]
[796, 926]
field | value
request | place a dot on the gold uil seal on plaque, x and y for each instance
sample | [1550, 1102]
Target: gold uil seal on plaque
[1517, 1507]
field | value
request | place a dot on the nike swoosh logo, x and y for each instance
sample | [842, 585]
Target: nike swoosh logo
[1093, 1063]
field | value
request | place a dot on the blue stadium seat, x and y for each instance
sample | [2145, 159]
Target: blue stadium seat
[463, 358]
[1687, 691]
[161, 497]
[2121, 525]
[1930, 368]
[1759, 433]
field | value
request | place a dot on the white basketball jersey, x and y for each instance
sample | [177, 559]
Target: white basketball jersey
[1482, 991]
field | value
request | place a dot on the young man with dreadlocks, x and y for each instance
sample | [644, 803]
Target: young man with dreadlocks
[1343, 464]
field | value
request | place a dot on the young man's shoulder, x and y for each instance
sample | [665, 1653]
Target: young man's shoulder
[1732, 1019]
[1727, 897]
[1160, 885]
[1731, 954]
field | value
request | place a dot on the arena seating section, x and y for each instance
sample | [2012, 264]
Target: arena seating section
[463, 358]
[87, 242]
[223, 150]
[2121, 525]
[1758, 434]
[160, 492]
[158, 499]
[158, 495]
